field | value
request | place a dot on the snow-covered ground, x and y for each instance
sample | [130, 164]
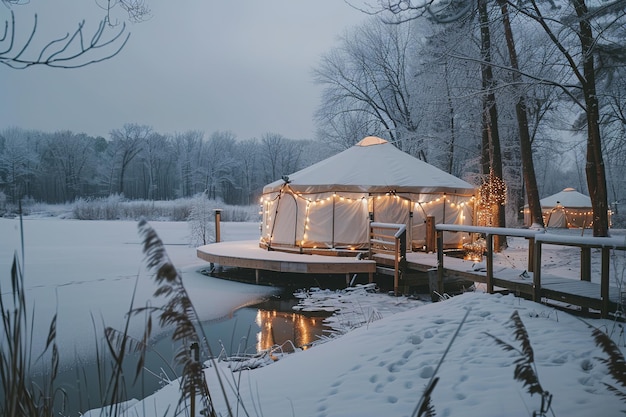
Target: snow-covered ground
[380, 368]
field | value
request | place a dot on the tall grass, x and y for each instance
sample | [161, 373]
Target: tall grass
[525, 368]
[22, 395]
[179, 313]
[31, 388]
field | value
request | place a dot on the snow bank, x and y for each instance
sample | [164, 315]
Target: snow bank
[382, 368]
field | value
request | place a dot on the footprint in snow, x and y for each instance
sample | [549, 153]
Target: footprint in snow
[586, 365]
[427, 372]
[396, 366]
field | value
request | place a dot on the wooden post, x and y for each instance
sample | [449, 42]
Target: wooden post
[604, 283]
[440, 261]
[489, 240]
[531, 255]
[396, 267]
[369, 241]
[537, 273]
[585, 264]
[218, 218]
[195, 354]
[431, 234]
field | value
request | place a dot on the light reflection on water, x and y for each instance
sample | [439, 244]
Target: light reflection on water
[287, 329]
[248, 330]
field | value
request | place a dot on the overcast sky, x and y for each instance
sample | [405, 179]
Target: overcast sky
[242, 66]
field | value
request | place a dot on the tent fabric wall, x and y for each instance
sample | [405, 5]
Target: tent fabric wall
[330, 204]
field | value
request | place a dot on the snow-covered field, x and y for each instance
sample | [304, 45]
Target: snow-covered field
[381, 368]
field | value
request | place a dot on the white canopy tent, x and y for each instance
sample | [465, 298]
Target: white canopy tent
[329, 205]
[565, 209]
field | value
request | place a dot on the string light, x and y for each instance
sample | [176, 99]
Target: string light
[491, 194]
[457, 204]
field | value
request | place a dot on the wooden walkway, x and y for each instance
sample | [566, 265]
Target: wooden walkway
[571, 292]
[533, 282]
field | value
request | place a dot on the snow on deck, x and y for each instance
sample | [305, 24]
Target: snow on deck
[248, 254]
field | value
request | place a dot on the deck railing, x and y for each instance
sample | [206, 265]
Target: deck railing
[389, 239]
[536, 239]
[489, 233]
[605, 244]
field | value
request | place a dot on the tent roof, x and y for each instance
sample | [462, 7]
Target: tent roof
[373, 165]
[569, 197]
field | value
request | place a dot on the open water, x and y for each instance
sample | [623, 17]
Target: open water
[248, 330]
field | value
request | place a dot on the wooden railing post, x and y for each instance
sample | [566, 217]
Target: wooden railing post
[218, 218]
[431, 234]
[537, 273]
[369, 249]
[585, 264]
[531, 255]
[440, 262]
[400, 256]
[489, 241]
[604, 283]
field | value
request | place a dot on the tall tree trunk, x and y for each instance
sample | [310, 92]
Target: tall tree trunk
[490, 112]
[596, 176]
[451, 125]
[528, 167]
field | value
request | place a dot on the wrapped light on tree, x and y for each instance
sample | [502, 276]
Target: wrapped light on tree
[491, 194]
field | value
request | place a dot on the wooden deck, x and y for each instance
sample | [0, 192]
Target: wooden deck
[436, 270]
[248, 254]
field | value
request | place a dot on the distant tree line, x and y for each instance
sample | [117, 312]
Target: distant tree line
[139, 163]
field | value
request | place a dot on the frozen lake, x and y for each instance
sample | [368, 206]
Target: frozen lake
[86, 271]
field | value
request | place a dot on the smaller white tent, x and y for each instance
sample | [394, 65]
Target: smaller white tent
[566, 209]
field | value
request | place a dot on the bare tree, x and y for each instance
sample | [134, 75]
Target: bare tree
[218, 164]
[280, 156]
[127, 143]
[157, 159]
[369, 74]
[68, 157]
[247, 153]
[17, 159]
[74, 49]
